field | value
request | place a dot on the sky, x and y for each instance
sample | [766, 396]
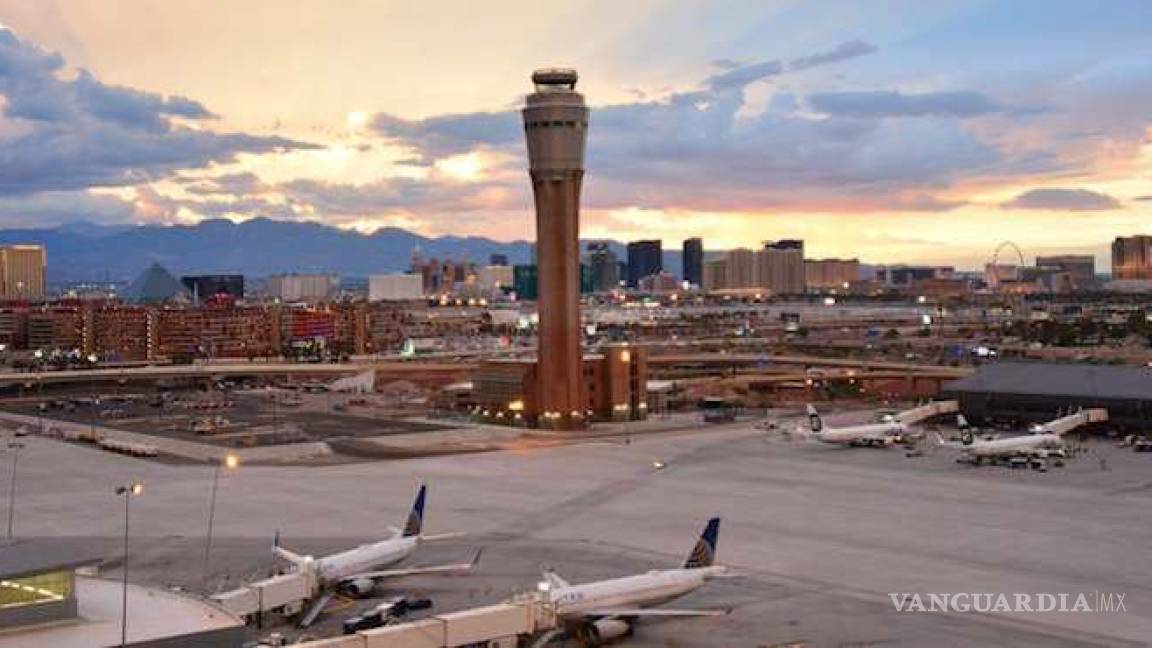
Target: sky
[889, 130]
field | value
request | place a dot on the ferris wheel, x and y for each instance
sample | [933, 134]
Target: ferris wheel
[1011, 248]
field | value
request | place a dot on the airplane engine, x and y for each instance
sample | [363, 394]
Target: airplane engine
[597, 632]
[361, 587]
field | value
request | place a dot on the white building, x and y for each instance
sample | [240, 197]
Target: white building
[493, 278]
[395, 287]
[303, 287]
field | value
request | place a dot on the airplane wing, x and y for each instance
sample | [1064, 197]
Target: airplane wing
[448, 568]
[442, 536]
[655, 612]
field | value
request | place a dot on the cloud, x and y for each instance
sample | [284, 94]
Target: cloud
[893, 103]
[1057, 199]
[737, 75]
[231, 183]
[58, 134]
[742, 75]
[389, 194]
[726, 63]
[450, 134]
[51, 208]
[842, 52]
[702, 150]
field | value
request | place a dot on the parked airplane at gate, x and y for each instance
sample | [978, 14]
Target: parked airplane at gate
[603, 610]
[357, 571]
[1042, 441]
[893, 429]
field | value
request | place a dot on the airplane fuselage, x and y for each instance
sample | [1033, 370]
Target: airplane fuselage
[642, 590]
[336, 567]
[872, 432]
[1023, 444]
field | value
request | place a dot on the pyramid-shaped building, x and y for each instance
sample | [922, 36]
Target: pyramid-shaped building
[155, 285]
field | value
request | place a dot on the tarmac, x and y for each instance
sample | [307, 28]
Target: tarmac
[819, 536]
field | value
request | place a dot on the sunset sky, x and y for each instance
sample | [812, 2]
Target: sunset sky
[890, 130]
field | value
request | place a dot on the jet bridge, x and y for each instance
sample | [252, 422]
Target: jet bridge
[494, 626]
[284, 593]
[925, 412]
[1072, 421]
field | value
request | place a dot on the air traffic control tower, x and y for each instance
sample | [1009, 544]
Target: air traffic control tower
[556, 126]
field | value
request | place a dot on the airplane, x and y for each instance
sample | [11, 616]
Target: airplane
[356, 572]
[1042, 441]
[890, 430]
[595, 612]
[894, 428]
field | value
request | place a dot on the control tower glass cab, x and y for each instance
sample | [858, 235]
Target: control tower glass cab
[556, 127]
[555, 122]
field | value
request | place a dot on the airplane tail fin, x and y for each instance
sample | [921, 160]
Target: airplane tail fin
[290, 556]
[416, 517]
[704, 553]
[554, 580]
[815, 423]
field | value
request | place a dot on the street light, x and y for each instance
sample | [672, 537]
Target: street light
[229, 461]
[127, 491]
[15, 447]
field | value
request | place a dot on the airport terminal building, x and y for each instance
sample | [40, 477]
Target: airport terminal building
[1037, 391]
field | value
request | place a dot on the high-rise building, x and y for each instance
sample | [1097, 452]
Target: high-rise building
[693, 261]
[824, 274]
[303, 287]
[495, 278]
[556, 127]
[603, 266]
[781, 267]
[498, 259]
[661, 282]
[1132, 257]
[22, 269]
[741, 271]
[201, 287]
[524, 282]
[904, 276]
[715, 275]
[644, 258]
[1081, 268]
[395, 287]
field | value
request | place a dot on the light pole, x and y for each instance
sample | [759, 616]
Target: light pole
[15, 447]
[92, 358]
[128, 491]
[229, 461]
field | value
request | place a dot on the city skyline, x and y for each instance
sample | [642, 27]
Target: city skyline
[834, 124]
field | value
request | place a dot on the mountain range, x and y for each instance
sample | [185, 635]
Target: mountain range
[85, 251]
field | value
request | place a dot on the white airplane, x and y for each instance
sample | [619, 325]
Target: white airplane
[595, 612]
[356, 572]
[869, 434]
[1042, 441]
[894, 428]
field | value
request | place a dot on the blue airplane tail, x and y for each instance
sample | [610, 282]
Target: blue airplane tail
[416, 517]
[704, 553]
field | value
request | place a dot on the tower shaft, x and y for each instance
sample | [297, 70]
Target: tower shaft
[556, 126]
